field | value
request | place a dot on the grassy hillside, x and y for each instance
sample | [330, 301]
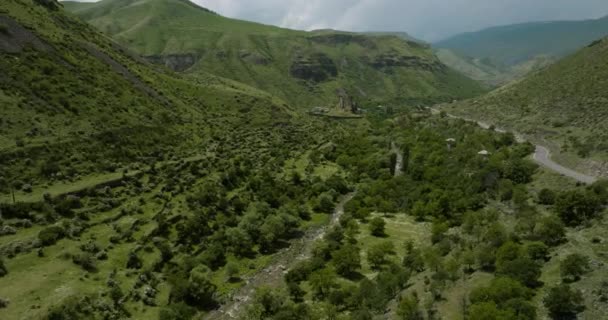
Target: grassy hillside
[304, 68]
[566, 104]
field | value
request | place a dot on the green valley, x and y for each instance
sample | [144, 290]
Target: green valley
[161, 161]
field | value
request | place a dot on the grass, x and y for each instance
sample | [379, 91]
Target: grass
[399, 229]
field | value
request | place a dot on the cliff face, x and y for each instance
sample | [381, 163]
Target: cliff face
[397, 60]
[317, 67]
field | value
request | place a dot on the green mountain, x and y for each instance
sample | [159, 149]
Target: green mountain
[304, 68]
[64, 86]
[566, 103]
[513, 44]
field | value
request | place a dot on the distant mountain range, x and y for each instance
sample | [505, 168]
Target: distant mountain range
[499, 54]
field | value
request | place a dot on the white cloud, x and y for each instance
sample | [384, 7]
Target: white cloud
[427, 19]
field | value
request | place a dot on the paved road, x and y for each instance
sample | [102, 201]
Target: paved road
[542, 155]
[273, 274]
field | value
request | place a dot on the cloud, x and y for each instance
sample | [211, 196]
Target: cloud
[427, 19]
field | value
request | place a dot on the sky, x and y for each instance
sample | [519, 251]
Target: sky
[430, 20]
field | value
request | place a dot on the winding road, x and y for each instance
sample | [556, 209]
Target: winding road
[272, 276]
[542, 155]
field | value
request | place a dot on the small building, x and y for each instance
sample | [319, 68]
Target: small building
[484, 153]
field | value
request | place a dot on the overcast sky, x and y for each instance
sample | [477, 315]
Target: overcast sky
[430, 20]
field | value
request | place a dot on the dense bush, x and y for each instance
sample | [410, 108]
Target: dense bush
[563, 302]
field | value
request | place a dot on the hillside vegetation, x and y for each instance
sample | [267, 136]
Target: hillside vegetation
[566, 104]
[304, 68]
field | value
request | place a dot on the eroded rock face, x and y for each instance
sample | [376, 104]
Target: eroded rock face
[175, 62]
[317, 67]
[343, 39]
[395, 60]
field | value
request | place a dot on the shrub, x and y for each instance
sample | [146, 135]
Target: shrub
[3, 270]
[86, 260]
[574, 267]
[51, 235]
[4, 303]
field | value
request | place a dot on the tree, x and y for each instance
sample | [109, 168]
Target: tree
[347, 260]
[523, 269]
[488, 311]
[322, 282]
[268, 301]
[200, 289]
[376, 227]
[413, 259]
[232, 271]
[537, 251]
[546, 197]
[409, 309]
[563, 302]
[550, 230]
[134, 262]
[377, 255]
[239, 241]
[574, 267]
[575, 207]
[325, 203]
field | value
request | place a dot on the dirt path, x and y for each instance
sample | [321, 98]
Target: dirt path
[542, 155]
[399, 163]
[283, 261]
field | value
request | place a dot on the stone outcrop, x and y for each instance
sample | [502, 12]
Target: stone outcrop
[317, 67]
[175, 62]
[346, 102]
[396, 60]
[49, 4]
